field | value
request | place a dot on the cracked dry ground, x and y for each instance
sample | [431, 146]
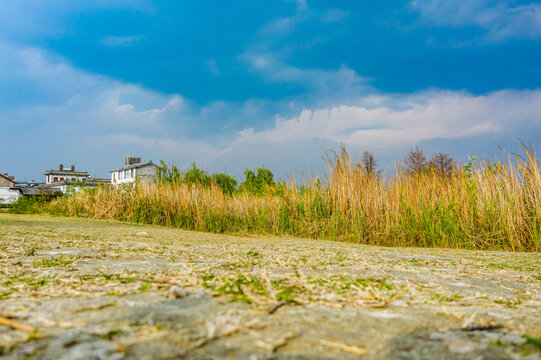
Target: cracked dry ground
[84, 289]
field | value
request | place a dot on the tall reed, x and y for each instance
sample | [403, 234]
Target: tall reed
[481, 206]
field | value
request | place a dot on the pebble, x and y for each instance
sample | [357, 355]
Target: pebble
[462, 346]
[442, 336]
[199, 294]
[177, 292]
[142, 233]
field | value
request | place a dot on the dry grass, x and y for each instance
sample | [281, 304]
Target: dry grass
[480, 206]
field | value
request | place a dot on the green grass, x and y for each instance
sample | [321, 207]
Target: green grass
[56, 261]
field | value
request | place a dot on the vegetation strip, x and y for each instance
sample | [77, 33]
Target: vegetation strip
[481, 205]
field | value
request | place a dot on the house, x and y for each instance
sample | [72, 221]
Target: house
[134, 170]
[6, 180]
[62, 174]
[7, 194]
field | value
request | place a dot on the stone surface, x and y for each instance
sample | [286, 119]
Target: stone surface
[101, 290]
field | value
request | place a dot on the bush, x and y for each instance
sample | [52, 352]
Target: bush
[256, 183]
[30, 205]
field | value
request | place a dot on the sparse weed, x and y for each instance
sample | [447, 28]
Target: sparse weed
[146, 286]
[56, 261]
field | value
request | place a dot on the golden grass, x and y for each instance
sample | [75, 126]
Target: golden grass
[484, 206]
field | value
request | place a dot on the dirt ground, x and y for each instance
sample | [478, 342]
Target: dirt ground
[83, 289]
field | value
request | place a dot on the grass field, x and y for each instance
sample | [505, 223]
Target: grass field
[80, 288]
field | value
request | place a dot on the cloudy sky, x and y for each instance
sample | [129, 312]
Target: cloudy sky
[237, 84]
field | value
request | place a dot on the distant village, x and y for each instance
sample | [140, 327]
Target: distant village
[68, 180]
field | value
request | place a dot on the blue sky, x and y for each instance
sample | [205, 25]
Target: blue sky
[242, 84]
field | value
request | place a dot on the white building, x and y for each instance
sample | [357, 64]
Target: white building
[7, 194]
[62, 174]
[134, 170]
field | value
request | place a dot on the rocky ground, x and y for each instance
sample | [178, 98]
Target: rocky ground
[82, 289]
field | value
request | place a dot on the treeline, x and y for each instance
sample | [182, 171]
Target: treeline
[260, 180]
[255, 182]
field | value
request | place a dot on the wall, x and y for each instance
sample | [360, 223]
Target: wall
[145, 173]
[123, 177]
[148, 172]
[5, 182]
[8, 196]
[49, 178]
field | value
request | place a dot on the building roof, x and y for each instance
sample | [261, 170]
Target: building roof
[135, 166]
[67, 173]
[35, 190]
[27, 183]
[8, 178]
[89, 182]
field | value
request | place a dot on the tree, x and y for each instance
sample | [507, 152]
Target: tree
[226, 182]
[168, 175]
[415, 160]
[256, 182]
[442, 164]
[370, 164]
[196, 175]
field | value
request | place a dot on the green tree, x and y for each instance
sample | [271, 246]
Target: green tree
[226, 182]
[168, 175]
[256, 181]
[197, 176]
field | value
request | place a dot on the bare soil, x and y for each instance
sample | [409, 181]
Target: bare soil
[83, 289]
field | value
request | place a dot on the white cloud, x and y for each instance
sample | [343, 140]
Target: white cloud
[273, 33]
[501, 20]
[402, 120]
[93, 121]
[334, 15]
[301, 4]
[122, 41]
[342, 82]
[279, 27]
[213, 67]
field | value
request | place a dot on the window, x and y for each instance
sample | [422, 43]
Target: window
[55, 179]
[127, 174]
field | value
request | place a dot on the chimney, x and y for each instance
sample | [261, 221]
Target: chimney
[130, 160]
[61, 167]
[72, 168]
